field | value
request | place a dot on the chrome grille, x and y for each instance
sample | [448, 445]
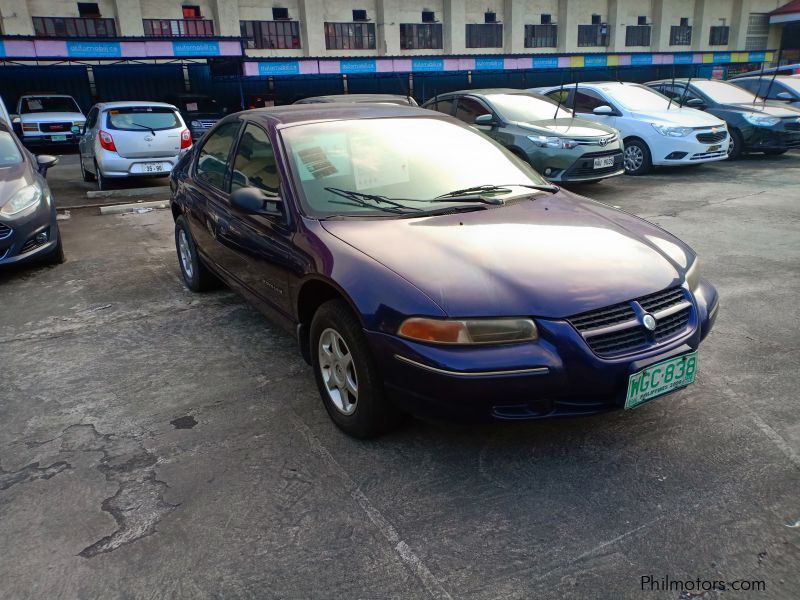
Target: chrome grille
[711, 137]
[618, 329]
[5, 231]
[54, 127]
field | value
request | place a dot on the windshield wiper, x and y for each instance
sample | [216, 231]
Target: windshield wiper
[362, 199]
[150, 129]
[478, 190]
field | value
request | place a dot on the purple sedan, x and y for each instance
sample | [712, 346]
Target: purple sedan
[423, 268]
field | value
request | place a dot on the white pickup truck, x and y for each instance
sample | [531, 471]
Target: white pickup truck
[47, 119]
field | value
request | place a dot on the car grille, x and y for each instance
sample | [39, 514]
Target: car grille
[5, 231]
[618, 329]
[54, 127]
[31, 244]
[584, 166]
[712, 138]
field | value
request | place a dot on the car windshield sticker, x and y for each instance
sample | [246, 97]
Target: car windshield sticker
[34, 104]
[376, 169]
[191, 107]
[322, 157]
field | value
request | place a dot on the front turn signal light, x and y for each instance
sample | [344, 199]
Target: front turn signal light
[469, 331]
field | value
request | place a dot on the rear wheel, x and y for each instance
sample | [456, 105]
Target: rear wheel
[196, 275]
[736, 145]
[84, 173]
[347, 377]
[102, 181]
[637, 158]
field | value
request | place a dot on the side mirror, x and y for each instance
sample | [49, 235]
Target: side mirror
[14, 118]
[254, 201]
[77, 130]
[487, 120]
[695, 103]
[603, 109]
[784, 96]
[45, 161]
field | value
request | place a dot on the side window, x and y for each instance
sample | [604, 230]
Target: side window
[212, 161]
[669, 90]
[559, 95]
[469, 108]
[751, 85]
[442, 106]
[254, 163]
[91, 118]
[586, 101]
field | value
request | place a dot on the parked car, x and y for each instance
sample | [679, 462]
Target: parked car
[47, 119]
[653, 131]
[28, 227]
[131, 139]
[785, 88]
[424, 267]
[199, 112]
[793, 69]
[539, 131]
[753, 125]
[360, 98]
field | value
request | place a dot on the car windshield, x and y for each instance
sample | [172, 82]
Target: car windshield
[791, 82]
[39, 104]
[9, 151]
[198, 105]
[408, 160]
[523, 107]
[142, 118]
[724, 93]
[637, 98]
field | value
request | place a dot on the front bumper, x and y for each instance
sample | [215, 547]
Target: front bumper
[41, 139]
[758, 139]
[556, 376]
[560, 165]
[18, 241]
[688, 150]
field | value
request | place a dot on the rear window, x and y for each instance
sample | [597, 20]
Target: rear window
[9, 151]
[143, 118]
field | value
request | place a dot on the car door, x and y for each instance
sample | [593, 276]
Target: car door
[468, 109]
[86, 141]
[261, 241]
[207, 197]
[583, 101]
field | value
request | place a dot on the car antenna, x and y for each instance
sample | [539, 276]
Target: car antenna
[686, 89]
[760, 75]
[673, 87]
[560, 95]
[575, 95]
[771, 81]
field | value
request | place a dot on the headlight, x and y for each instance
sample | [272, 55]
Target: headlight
[761, 121]
[469, 331]
[546, 141]
[672, 131]
[693, 275]
[22, 201]
[30, 127]
[196, 124]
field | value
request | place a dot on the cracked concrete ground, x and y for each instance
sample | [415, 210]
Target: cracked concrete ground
[160, 444]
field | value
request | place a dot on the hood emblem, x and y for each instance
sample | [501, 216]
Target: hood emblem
[603, 141]
[148, 138]
[649, 322]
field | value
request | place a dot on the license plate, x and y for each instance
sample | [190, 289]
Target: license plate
[660, 378]
[714, 148]
[603, 162]
[58, 138]
[153, 167]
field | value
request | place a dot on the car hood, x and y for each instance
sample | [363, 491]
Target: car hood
[46, 117]
[768, 110]
[681, 117]
[553, 256]
[13, 179]
[567, 127]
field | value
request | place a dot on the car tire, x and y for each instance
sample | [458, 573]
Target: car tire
[775, 152]
[346, 374]
[196, 275]
[102, 180]
[85, 175]
[637, 158]
[735, 145]
[56, 256]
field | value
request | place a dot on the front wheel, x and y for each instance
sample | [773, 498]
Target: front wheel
[346, 374]
[56, 256]
[735, 145]
[637, 158]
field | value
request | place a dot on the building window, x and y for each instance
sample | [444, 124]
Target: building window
[178, 27]
[541, 36]
[73, 27]
[360, 15]
[595, 34]
[637, 35]
[681, 35]
[280, 14]
[191, 12]
[757, 31]
[484, 35]
[719, 35]
[421, 35]
[350, 36]
[88, 10]
[271, 34]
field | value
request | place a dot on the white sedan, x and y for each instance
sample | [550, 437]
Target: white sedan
[655, 131]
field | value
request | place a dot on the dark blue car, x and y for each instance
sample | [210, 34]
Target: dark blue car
[425, 269]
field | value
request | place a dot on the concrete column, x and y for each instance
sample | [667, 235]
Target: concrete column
[738, 25]
[659, 34]
[227, 15]
[616, 29]
[454, 27]
[699, 25]
[129, 17]
[513, 27]
[387, 28]
[312, 23]
[16, 18]
[567, 27]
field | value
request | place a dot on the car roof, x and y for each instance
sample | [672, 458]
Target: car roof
[293, 114]
[485, 92]
[685, 80]
[45, 95]
[768, 76]
[134, 103]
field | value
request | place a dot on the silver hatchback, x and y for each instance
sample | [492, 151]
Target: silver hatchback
[131, 139]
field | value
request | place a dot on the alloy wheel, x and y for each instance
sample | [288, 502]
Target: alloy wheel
[186, 254]
[731, 146]
[634, 158]
[338, 371]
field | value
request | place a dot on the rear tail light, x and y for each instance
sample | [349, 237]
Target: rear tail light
[186, 139]
[106, 141]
